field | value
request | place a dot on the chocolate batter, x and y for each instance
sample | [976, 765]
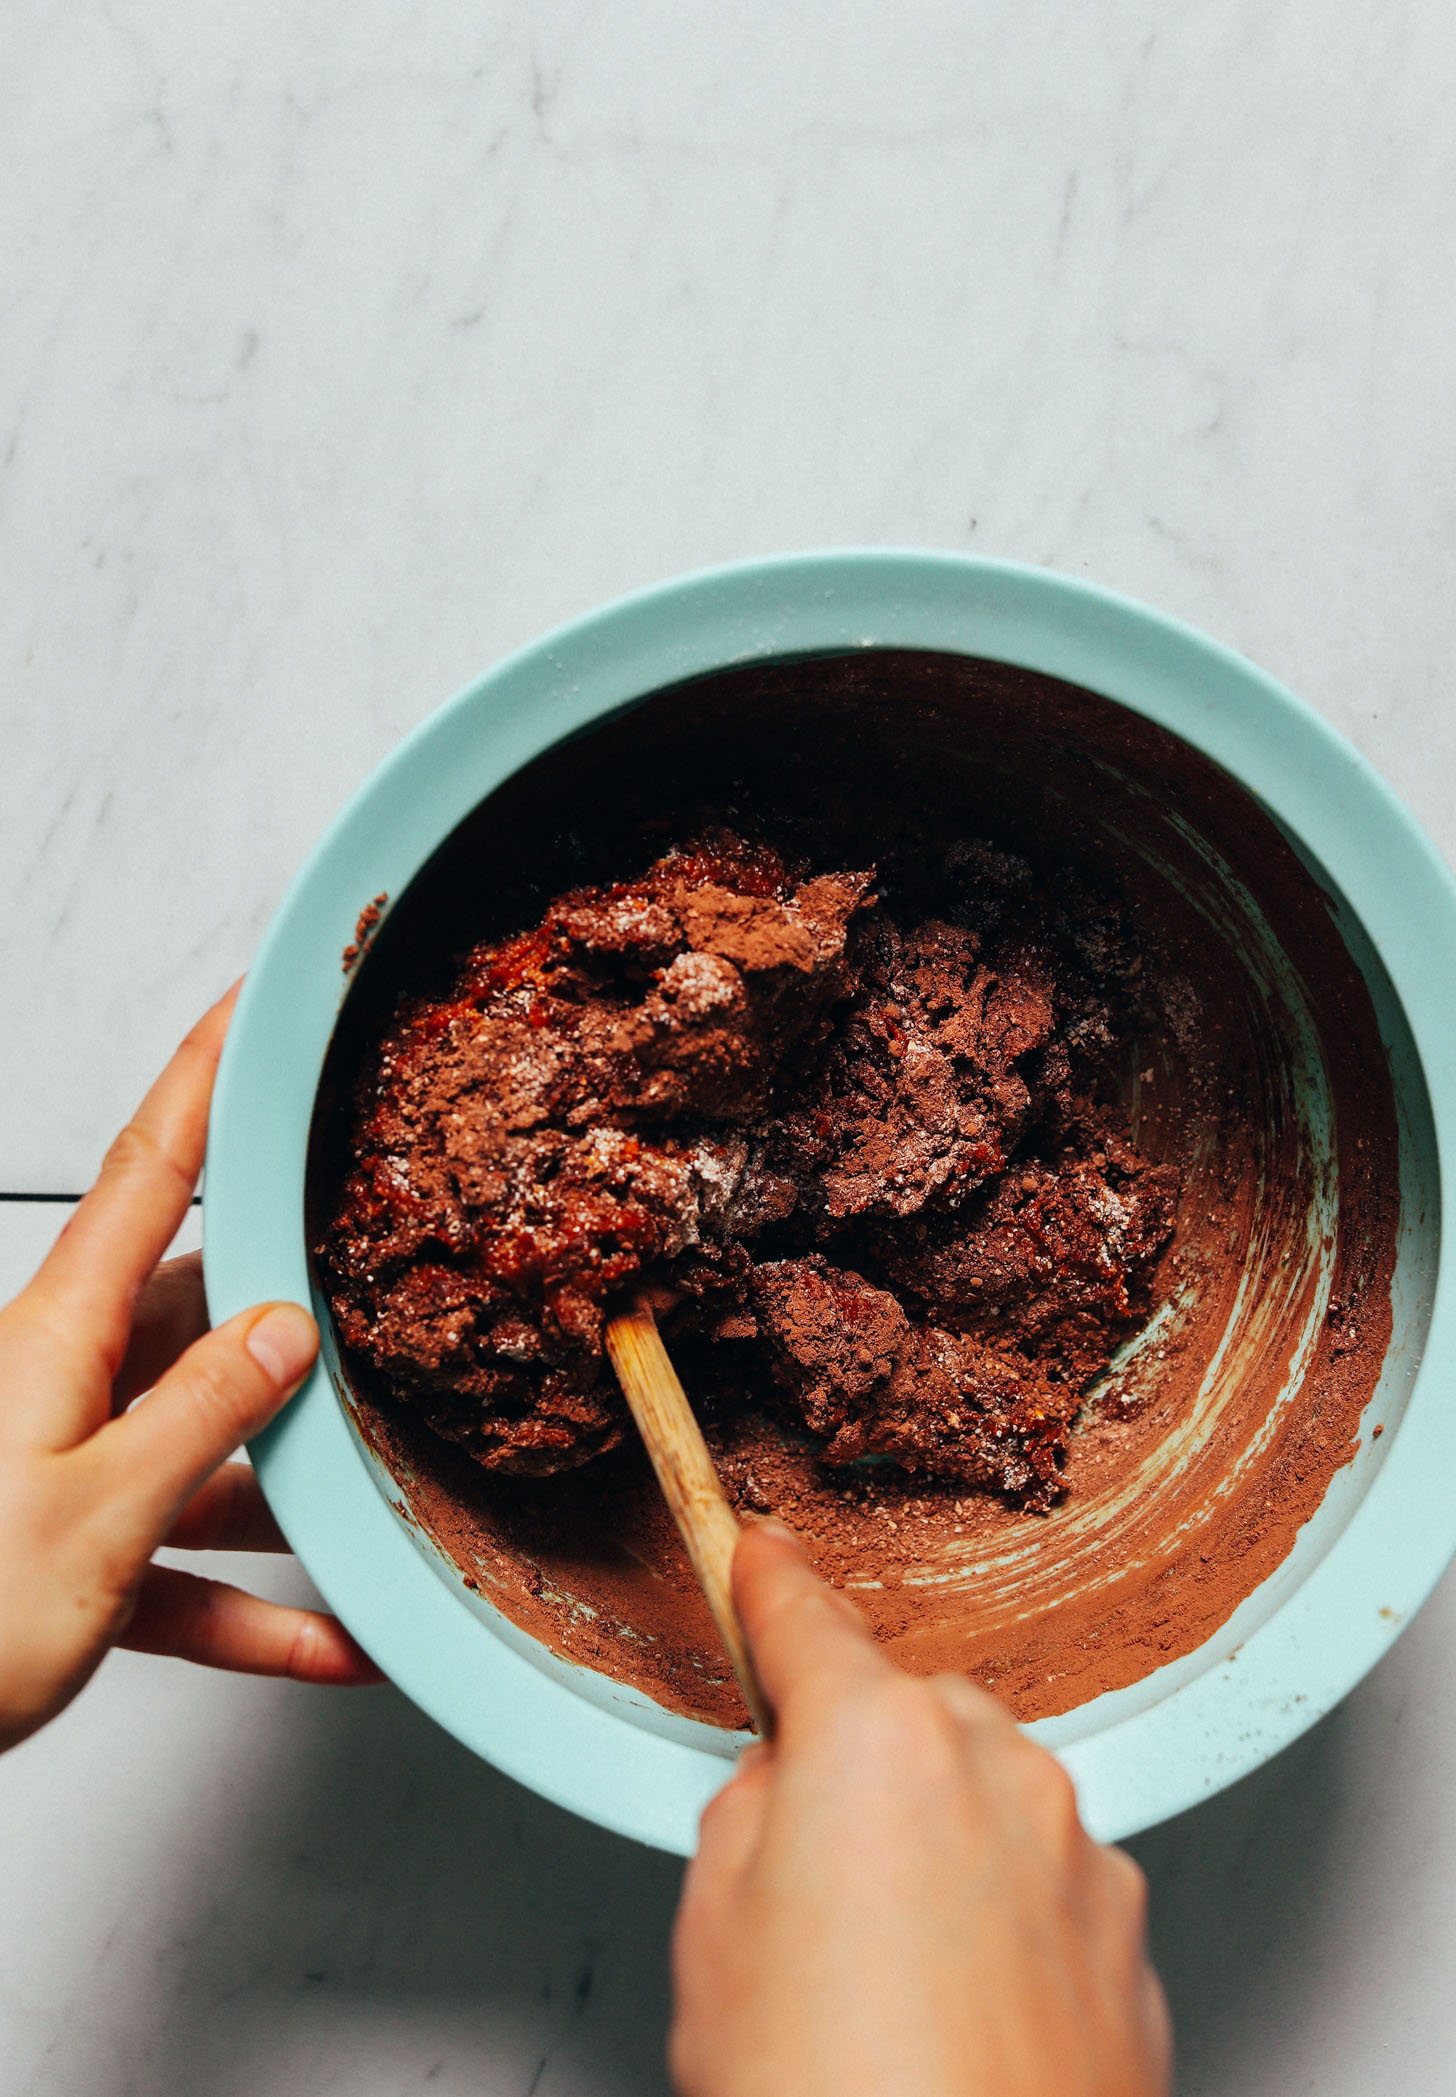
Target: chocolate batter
[886, 1163]
[995, 1088]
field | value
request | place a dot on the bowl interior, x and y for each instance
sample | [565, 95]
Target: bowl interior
[1220, 1460]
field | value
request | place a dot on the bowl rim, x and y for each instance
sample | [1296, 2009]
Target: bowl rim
[1140, 1769]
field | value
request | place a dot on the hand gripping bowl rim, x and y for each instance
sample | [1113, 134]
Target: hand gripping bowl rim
[1137, 1770]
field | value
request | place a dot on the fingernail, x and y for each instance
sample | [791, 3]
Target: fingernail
[283, 1343]
[770, 1525]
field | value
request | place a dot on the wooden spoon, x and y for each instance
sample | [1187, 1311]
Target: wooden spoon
[689, 1483]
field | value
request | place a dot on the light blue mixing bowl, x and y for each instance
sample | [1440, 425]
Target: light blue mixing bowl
[1387, 1526]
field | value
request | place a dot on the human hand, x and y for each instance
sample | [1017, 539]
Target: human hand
[88, 1490]
[896, 1898]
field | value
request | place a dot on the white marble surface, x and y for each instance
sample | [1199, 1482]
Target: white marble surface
[343, 349]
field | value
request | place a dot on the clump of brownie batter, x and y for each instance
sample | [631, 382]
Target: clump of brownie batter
[883, 1163]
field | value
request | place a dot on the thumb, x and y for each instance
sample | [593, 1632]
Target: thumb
[227, 1386]
[810, 1644]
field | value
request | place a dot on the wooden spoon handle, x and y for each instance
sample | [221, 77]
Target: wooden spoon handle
[689, 1483]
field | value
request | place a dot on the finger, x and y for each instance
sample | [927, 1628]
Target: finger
[227, 1386]
[1158, 2027]
[974, 1708]
[731, 1825]
[1125, 1881]
[86, 1287]
[220, 1626]
[1114, 1901]
[171, 1313]
[55, 1385]
[810, 1645]
[228, 1513]
[730, 1835]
